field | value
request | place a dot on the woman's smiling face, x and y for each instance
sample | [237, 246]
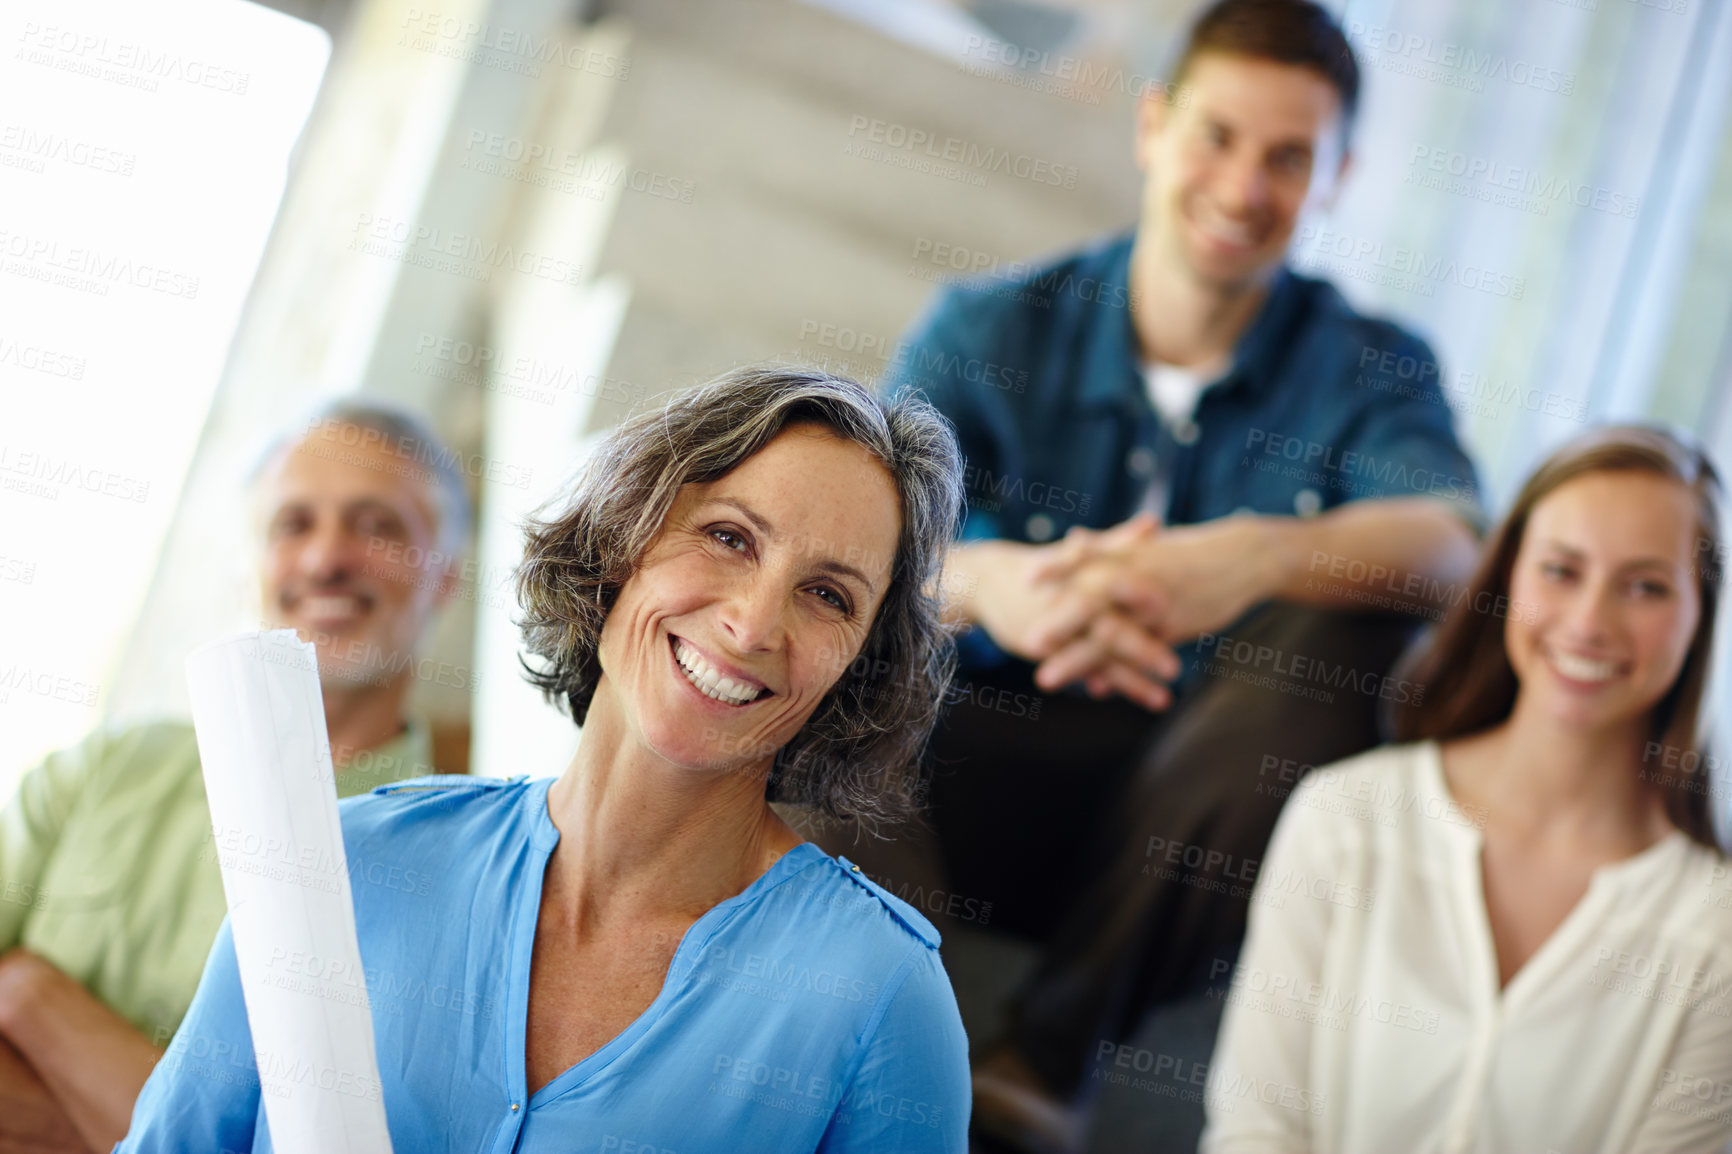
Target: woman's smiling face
[1605, 579]
[752, 601]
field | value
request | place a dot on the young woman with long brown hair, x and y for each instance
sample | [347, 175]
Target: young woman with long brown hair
[1508, 933]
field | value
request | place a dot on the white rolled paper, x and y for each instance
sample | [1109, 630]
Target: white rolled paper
[273, 805]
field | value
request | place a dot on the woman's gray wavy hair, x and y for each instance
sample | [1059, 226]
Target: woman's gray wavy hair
[858, 755]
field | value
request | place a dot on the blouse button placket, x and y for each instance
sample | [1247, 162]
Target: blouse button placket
[1471, 1098]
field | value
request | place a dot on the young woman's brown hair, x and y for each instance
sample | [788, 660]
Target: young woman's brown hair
[1469, 684]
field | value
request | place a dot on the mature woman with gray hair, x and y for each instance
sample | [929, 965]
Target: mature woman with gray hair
[737, 604]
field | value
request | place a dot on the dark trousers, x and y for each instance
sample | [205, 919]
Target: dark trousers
[1129, 841]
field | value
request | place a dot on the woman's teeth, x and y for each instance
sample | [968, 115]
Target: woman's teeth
[710, 682]
[1582, 669]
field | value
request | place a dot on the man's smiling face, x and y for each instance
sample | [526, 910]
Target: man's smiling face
[349, 530]
[1231, 171]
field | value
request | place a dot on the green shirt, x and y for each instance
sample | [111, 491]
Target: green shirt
[108, 870]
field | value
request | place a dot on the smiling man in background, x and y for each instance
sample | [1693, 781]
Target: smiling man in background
[112, 889]
[1174, 511]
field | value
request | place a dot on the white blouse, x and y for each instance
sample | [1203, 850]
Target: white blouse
[1365, 1017]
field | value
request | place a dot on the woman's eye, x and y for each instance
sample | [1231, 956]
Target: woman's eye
[1653, 589]
[1556, 571]
[833, 598]
[729, 539]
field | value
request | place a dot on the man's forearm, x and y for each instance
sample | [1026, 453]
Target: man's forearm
[1398, 553]
[960, 583]
[91, 1059]
[30, 1117]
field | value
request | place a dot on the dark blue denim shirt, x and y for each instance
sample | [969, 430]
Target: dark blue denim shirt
[1040, 373]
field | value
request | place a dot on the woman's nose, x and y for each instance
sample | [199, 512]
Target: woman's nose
[1593, 612]
[752, 613]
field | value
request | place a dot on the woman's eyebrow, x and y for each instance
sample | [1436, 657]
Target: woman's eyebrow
[1634, 563]
[758, 520]
[1660, 563]
[841, 569]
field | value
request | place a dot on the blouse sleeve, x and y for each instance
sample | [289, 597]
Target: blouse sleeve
[1691, 1112]
[1260, 1095]
[204, 1093]
[910, 1092]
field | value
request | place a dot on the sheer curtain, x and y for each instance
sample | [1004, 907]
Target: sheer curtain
[1536, 185]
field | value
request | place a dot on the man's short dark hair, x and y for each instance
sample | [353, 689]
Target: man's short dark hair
[1295, 32]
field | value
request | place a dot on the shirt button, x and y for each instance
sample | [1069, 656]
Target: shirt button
[1308, 502]
[514, 1107]
[1140, 462]
[1039, 527]
[1186, 432]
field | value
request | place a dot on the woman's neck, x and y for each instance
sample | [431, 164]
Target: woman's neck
[1536, 773]
[642, 840]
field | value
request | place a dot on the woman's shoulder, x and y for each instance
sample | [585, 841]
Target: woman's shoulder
[1404, 758]
[826, 914]
[1690, 890]
[863, 908]
[909, 921]
[861, 942]
[439, 804]
[1386, 804]
[825, 944]
[1385, 777]
[440, 791]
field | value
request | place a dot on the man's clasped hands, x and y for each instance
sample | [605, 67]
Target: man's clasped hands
[1109, 607]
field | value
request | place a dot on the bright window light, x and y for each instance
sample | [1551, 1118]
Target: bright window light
[143, 152]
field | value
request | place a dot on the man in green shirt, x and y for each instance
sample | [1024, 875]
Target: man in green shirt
[110, 888]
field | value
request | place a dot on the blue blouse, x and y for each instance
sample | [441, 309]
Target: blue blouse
[808, 1012]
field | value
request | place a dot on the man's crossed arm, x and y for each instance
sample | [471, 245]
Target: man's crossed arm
[70, 1067]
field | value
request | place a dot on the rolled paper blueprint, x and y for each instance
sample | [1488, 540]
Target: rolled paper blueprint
[273, 806]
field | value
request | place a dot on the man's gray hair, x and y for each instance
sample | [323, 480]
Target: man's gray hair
[858, 755]
[405, 435]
